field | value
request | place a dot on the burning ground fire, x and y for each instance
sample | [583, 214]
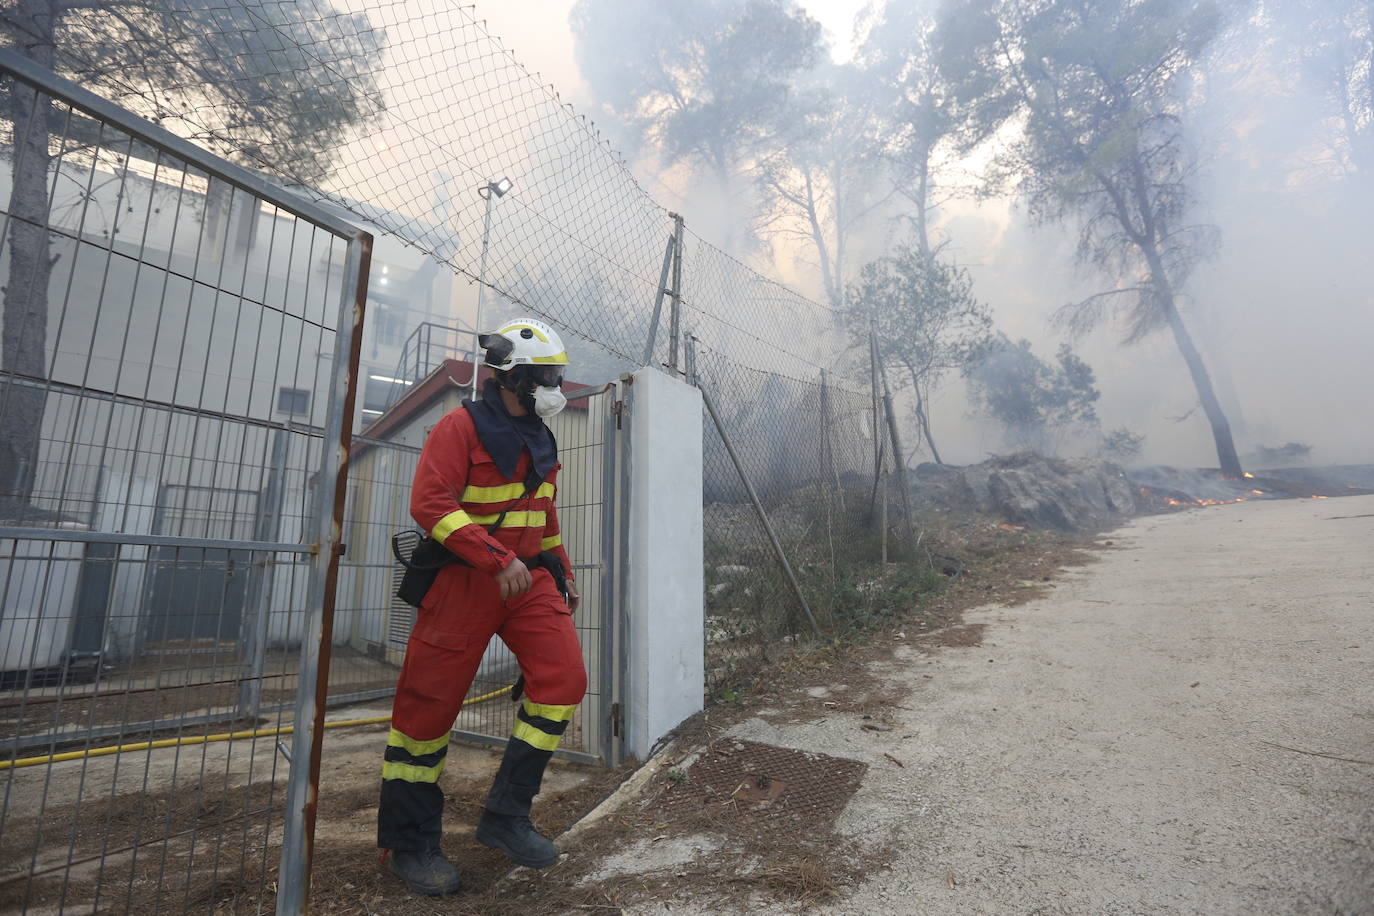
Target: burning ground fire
[1164, 488]
[1175, 501]
[1166, 499]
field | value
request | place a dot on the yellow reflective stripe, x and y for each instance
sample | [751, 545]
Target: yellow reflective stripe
[552, 713]
[415, 748]
[558, 359]
[512, 519]
[504, 493]
[534, 737]
[551, 543]
[409, 772]
[449, 524]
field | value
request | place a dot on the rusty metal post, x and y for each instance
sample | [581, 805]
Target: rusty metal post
[302, 790]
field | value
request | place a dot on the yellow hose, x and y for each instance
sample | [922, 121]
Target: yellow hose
[208, 739]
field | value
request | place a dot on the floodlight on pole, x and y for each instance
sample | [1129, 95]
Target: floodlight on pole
[488, 192]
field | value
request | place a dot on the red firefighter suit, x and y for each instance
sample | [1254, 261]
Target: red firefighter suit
[476, 464]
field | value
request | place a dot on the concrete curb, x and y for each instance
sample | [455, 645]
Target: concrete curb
[617, 799]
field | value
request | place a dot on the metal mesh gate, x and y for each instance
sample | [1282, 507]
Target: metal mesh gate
[175, 393]
[372, 626]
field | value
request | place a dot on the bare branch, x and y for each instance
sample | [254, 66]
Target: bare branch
[1078, 318]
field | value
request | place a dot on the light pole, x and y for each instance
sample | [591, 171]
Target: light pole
[488, 192]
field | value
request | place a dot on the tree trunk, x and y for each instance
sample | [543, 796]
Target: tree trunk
[925, 427]
[24, 341]
[922, 202]
[1221, 427]
[921, 417]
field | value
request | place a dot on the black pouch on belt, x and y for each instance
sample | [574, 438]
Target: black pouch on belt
[549, 560]
[422, 558]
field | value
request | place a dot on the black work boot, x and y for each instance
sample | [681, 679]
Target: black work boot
[505, 823]
[514, 835]
[425, 872]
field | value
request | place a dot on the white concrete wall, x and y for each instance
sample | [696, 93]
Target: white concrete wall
[664, 606]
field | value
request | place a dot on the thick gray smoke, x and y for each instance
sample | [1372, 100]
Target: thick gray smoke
[1278, 109]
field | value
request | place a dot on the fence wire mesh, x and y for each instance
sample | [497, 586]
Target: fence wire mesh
[398, 113]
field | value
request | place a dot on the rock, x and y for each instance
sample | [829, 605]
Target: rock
[1066, 494]
[1078, 494]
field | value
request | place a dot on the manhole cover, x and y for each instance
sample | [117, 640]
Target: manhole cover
[762, 782]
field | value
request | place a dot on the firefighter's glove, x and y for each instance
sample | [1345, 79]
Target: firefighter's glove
[514, 580]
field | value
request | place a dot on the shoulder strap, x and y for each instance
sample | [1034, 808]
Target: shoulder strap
[532, 481]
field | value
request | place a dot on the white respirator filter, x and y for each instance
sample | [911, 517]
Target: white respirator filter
[548, 401]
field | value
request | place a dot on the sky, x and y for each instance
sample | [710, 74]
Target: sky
[537, 32]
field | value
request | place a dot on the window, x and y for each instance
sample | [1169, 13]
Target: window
[390, 330]
[295, 401]
[383, 391]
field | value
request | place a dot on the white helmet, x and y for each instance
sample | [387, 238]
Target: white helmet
[522, 342]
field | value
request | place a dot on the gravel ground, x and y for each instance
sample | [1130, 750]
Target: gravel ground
[1162, 733]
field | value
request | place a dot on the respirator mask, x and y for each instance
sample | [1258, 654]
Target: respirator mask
[548, 401]
[540, 389]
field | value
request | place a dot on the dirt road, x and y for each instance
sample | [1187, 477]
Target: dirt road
[1143, 740]
[1148, 738]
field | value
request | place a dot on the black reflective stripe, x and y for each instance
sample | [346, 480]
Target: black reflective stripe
[547, 726]
[401, 755]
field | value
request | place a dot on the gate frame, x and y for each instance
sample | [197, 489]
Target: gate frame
[604, 750]
[327, 519]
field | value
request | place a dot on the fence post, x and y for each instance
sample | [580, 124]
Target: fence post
[829, 473]
[307, 741]
[898, 456]
[691, 364]
[879, 441]
[882, 516]
[668, 250]
[827, 446]
[675, 317]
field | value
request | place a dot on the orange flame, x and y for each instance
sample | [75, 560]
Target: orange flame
[1248, 474]
[1315, 496]
[1258, 492]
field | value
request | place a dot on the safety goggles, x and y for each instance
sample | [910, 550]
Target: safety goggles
[545, 376]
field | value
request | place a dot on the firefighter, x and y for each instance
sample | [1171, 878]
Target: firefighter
[488, 461]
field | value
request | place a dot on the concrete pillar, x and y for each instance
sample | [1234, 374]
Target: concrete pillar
[664, 602]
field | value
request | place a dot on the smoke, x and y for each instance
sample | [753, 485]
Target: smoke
[1283, 314]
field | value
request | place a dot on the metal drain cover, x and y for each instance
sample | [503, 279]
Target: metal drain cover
[762, 782]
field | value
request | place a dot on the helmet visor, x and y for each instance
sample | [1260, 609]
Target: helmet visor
[547, 376]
